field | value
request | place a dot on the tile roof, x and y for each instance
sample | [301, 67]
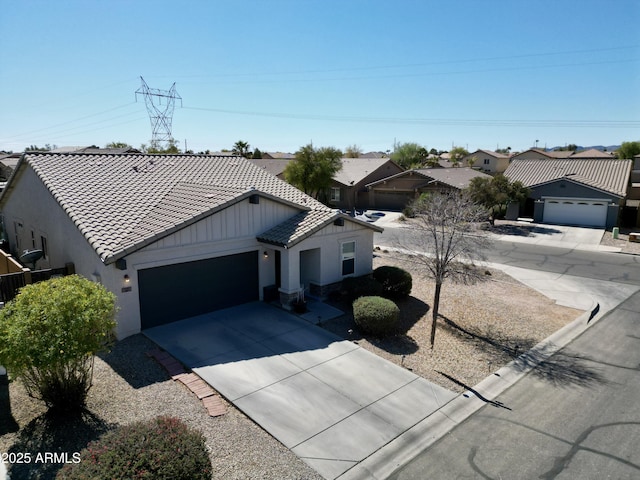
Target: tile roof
[592, 153]
[609, 175]
[304, 224]
[355, 170]
[275, 166]
[457, 177]
[123, 202]
[490, 152]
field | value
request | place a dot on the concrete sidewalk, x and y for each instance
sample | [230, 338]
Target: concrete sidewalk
[596, 297]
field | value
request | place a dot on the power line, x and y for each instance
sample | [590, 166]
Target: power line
[26, 134]
[413, 65]
[434, 121]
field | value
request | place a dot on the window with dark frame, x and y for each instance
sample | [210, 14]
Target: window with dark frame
[348, 258]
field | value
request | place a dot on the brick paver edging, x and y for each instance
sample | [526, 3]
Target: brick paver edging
[210, 399]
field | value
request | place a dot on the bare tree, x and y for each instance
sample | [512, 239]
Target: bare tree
[445, 231]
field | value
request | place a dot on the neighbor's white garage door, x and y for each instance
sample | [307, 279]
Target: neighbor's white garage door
[588, 213]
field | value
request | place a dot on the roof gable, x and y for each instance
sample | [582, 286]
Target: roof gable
[122, 202]
[301, 226]
[354, 170]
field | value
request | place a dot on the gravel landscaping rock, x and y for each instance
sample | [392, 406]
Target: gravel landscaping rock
[489, 324]
[128, 386]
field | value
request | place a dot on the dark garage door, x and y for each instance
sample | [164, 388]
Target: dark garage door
[184, 290]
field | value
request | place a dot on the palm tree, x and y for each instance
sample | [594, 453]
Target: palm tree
[240, 148]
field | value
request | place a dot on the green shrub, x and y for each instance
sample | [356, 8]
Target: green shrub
[163, 448]
[49, 334]
[356, 287]
[376, 315]
[396, 282]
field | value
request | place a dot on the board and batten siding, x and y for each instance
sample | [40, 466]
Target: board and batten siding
[239, 221]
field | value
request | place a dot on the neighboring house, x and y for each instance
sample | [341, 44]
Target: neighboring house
[275, 166]
[374, 155]
[592, 153]
[349, 190]
[488, 161]
[540, 154]
[8, 162]
[586, 192]
[175, 236]
[278, 155]
[94, 149]
[395, 192]
[631, 212]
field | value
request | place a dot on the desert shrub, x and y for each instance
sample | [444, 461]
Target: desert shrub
[163, 448]
[376, 315]
[364, 286]
[49, 335]
[396, 282]
[408, 212]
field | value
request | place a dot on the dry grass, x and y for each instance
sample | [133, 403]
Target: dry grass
[481, 327]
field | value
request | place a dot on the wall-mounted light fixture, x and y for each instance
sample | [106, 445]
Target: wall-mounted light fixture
[126, 279]
[266, 254]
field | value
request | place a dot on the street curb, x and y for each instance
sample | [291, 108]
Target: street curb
[401, 450]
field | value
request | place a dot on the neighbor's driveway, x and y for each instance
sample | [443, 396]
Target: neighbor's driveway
[327, 399]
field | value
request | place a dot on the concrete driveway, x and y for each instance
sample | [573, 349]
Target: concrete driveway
[562, 236]
[330, 401]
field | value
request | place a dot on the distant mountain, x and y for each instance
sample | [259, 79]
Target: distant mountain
[602, 148]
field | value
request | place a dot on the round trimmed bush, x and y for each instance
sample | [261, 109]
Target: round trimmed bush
[163, 448]
[376, 315]
[396, 282]
[356, 287]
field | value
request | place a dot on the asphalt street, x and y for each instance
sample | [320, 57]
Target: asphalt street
[574, 416]
[612, 267]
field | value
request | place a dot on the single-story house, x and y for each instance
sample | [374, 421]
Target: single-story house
[275, 166]
[585, 192]
[488, 161]
[175, 236]
[541, 154]
[278, 155]
[349, 191]
[396, 191]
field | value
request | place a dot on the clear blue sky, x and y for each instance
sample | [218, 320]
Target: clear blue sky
[282, 73]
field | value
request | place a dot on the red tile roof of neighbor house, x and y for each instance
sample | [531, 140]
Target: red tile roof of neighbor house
[121, 203]
[610, 175]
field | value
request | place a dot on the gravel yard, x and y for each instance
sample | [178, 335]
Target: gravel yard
[499, 316]
[129, 386]
[493, 320]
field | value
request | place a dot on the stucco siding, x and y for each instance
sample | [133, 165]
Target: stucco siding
[242, 220]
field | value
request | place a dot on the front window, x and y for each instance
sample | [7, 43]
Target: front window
[335, 194]
[348, 258]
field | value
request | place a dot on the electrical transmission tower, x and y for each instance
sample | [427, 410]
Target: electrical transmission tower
[160, 105]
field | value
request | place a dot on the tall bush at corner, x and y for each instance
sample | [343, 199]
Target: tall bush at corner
[49, 335]
[396, 282]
